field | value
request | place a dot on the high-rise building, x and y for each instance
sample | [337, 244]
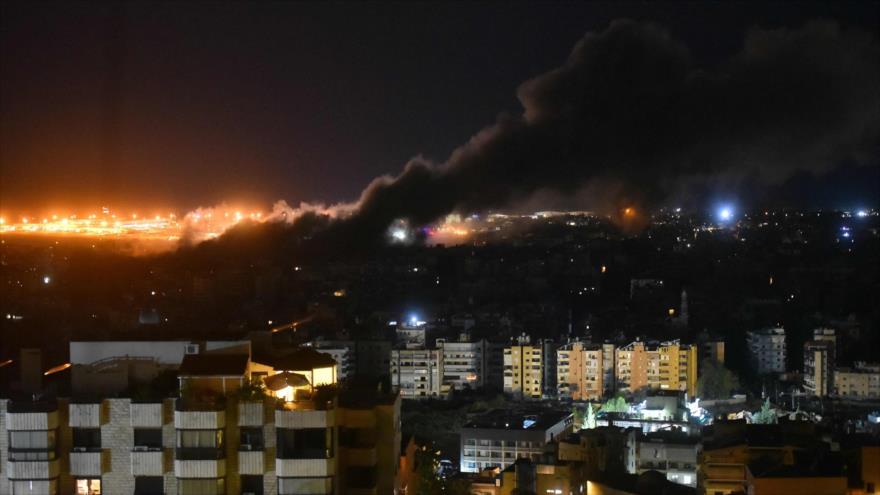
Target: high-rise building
[463, 363]
[524, 369]
[417, 373]
[819, 367]
[299, 435]
[664, 366]
[767, 350]
[580, 371]
[631, 367]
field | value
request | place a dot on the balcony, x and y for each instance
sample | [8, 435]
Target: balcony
[147, 415]
[86, 462]
[84, 415]
[200, 468]
[304, 417]
[250, 414]
[21, 415]
[199, 420]
[32, 470]
[299, 468]
[147, 462]
[291, 486]
[251, 462]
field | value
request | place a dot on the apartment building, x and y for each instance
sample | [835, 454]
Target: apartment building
[789, 457]
[862, 381]
[498, 438]
[524, 370]
[343, 352]
[463, 363]
[222, 435]
[417, 373]
[582, 371]
[672, 453]
[659, 366]
[819, 367]
[709, 348]
[767, 350]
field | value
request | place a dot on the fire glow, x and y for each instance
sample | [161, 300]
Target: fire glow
[200, 224]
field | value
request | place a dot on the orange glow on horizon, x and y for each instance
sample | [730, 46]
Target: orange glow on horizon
[137, 227]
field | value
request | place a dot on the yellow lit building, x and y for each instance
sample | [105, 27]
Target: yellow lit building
[524, 370]
[580, 371]
[631, 367]
[665, 366]
[555, 478]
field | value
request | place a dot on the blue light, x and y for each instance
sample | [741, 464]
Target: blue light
[725, 213]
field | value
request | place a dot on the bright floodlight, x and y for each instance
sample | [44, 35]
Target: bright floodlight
[398, 234]
[46, 280]
[725, 213]
[862, 213]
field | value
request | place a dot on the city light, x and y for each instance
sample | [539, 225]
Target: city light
[398, 234]
[200, 225]
[862, 213]
[725, 213]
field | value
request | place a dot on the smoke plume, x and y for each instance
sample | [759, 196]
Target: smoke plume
[631, 109]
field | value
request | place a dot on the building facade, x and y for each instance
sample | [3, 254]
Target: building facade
[524, 370]
[417, 373]
[499, 438]
[301, 434]
[581, 371]
[656, 366]
[767, 350]
[818, 367]
[862, 381]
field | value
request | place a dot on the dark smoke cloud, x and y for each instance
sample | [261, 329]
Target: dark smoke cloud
[630, 108]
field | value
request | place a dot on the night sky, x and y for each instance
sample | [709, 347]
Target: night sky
[179, 105]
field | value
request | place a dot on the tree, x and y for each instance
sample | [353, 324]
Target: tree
[615, 405]
[766, 416]
[590, 421]
[584, 418]
[716, 381]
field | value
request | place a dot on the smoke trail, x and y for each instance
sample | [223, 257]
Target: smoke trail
[629, 107]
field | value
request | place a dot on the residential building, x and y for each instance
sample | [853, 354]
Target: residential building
[343, 352]
[417, 373]
[220, 436]
[546, 476]
[673, 453]
[862, 381]
[767, 350]
[463, 363]
[499, 437]
[631, 367]
[709, 348]
[580, 371]
[789, 457]
[819, 367]
[658, 366]
[524, 369]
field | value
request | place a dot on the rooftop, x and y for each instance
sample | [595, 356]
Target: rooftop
[502, 419]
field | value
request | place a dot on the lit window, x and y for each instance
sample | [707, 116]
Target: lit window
[88, 487]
